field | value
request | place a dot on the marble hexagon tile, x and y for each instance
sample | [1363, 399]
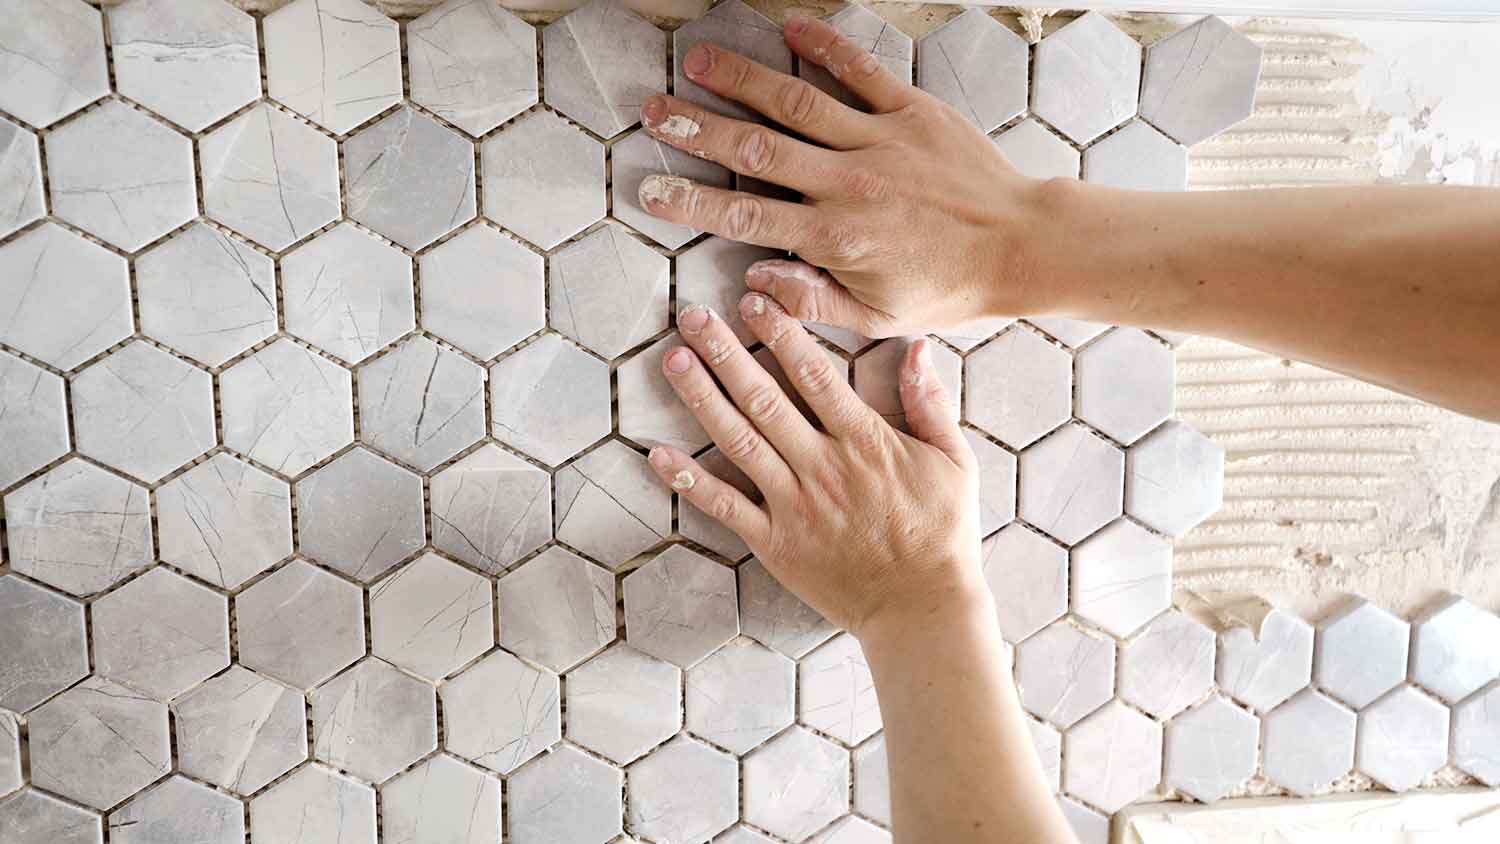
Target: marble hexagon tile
[50, 651]
[443, 797]
[543, 204]
[422, 403]
[336, 62]
[20, 177]
[79, 528]
[80, 296]
[52, 59]
[206, 294]
[409, 178]
[192, 63]
[603, 34]
[507, 304]
[286, 407]
[40, 434]
[473, 64]
[737, 26]
[490, 509]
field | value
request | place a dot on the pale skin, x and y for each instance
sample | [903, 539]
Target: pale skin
[914, 222]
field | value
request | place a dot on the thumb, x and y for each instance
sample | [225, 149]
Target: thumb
[813, 295]
[931, 414]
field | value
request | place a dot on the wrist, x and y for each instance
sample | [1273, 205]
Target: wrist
[960, 609]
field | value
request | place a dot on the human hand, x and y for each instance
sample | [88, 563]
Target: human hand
[917, 218]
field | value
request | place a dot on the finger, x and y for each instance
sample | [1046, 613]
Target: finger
[745, 217]
[931, 414]
[714, 496]
[812, 295]
[818, 42]
[746, 148]
[806, 365]
[785, 99]
[754, 391]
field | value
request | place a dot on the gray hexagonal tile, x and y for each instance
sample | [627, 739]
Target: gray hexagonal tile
[1125, 384]
[772, 615]
[1122, 578]
[1113, 757]
[871, 33]
[1065, 673]
[224, 521]
[422, 403]
[680, 606]
[39, 435]
[997, 482]
[409, 178]
[314, 804]
[684, 791]
[1476, 734]
[638, 155]
[650, 412]
[472, 64]
[611, 506]
[1402, 739]
[622, 703]
[1211, 750]
[270, 177]
[1036, 152]
[557, 609]
[712, 273]
[432, 617]
[52, 58]
[1307, 743]
[10, 753]
[445, 800]
[604, 33]
[192, 63]
[1020, 387]
[46, 650]
[360, 514]
[501, 712]
[34, 816]
[487, 318]
[876, 377]
[98, 743]
[795, 784]
[1169, 667]
[136, 645]
[287, 407]
[872, 780]
[566, 796]
[976, 65]
[837, 692]
[1361, 653]
[1200, 81]
[20, 178]
[1028, 577]
[750, 34]
[300, 625]
[373, 721]
[79, 528]
[741, 695]
[1262, 672]
[347, 293]
[1453, 650]
[491, 509]
[609, 291]
[704, 529]
[240, 731]
[64, 299]
[336, 62]
[206, 294]
[1071, 483]
[550, 399]
[543, 178]
[1137, 158]
[1174, 478]
[179, 811]
[1087, 77]
[143, 411]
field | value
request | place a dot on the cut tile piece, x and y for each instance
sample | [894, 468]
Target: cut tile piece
[20, 178]
[603, 34]
[1071, 484]
[491, 509]
[270, 177]
[431, 617]
[335, 62]
[314, 804]
[1122, 578]
[1454, 651]
[1087, 77]
[772, 615]
[543, 178]
[179, 811]
[1065, 673]
[287, 407]
[192, 63]
[872, 780]
[409, 178]
[133, 644]
[1361, 653]
[997, 482]
[557, 609]
[704, 529]
[98, 743]
[1403, 739]
[852, 830]
[143, 411]
[611, 506]
[871, 33]
[550, 399]
[1261, 673]
[373, 721]
[1125, 384]
[976, 65]
[622, 703]
[52, 60]
[638, 155]
[46, 650]
[360, 515]
[609, 291]
[1020, 387]
[79, 302]
[876, 376]
[206, 294]
[10, 753]
[1090, 826]
[1028, 576]
[1070, 332]
[1113, 757]
[970, 334]
[224, 521]
[347, 293]
[650, 412]
[1048, 745]
[422, 404]
[1200, 81]
[482, 292]
[501, 712]
[739, 27]
[1169, 667]
[1174, 478]
[38, 433]
[1211, 749]
[712, 273]
[1137, 158]
[685, 791]
[680, 606]
[837, 693]
[472, 64]
[1034, 151]
[1308, 742]
[240, 731]
[566, 796]
[796, 784]
[740, 696]
[300, 625]
[79, 528]
[1476, 734]
[33, 816]
[444, 801]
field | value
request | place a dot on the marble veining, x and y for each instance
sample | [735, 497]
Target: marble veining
[409, 178]
[52, 59]
[445, 800]
[300, 625]
[347, 293]
[610, 505]
[976, 65]
[483, 319]
[550, 399]
[795, 784]
[33, 418]
[162, 657]
[550, 174]
[49, 653]
[63, 299]
[224, 521]
[622, 703]
[684, 791]
[206, 294]
[286, 407]
[431, 617]
[191, 61]
[776, 618]
[315, 804]
[179, 811]
[680, 606]
[472, 63]
[603, 61]
[558, 608]
[566, 796]
[20, 178]
[79, 528]
[97, 722]
[501, 712]
[360, 514]
[490, 509]
[837, 691]
[740, 695]
[240, 731]
[609, 291]
[373, 721]
[421, 404]
[336, 62]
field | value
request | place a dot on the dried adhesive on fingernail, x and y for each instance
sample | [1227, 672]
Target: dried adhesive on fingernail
[683, 481]
[663, 189]
[757, 306]
[679, 127]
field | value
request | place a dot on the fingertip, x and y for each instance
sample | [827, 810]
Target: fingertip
[753, 306]
[917, 363]
[677, 361]
[797, 24]
[660, 458]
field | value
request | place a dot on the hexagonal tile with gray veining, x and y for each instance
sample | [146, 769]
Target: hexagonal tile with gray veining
[795, 784]
[1020, 387]
[680, 606]
[566, 796]
[1087, 77]
[871, 33]
[347, 293]
[490, 509]
[1453, 649]
[409, 178]
[542, 178]
[46, 648]
[360, 514]
[837, 691]
[482, 291]
[684, 791]
[1072, 483]
[336, 62]
[79, 528]
[776, 618]
[287, 407]
[20, 177]
[611, 506]
[192, 63]
[240, 731]
[431, 617]
[445, 800]
[1200, 80]
[1065, 673]
[1174, 478]
[63, 299]
[1169, 666]
[1113, 757]
[1137, 158]
[622, 702]
[34, 816]
[501, 712]
[472, 63]
[1122, 577]
[373, 721]
[556, 609]
[300, 625]
[98, 743]
[52, 59]
[976, 65]
[997, 482]
[603, 34]
[314, 804]
[135, 645]
[1125, 384]
[609, 291]
[741, 695]
[1211, 749]
[422, 403]
[224, 521]
[550, 399]
[37, 433]
[206, 294]
[143, 411]
[1028, 577]
[179, 811]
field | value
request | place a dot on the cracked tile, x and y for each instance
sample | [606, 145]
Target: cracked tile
[603, 34]
[1020, 387]
[34, 816]
[1125, 384]
[622, 703]
[1065, 673]
[373, 721]
[1113, 757]
[1071, 484]
[1137, 158]
[491, 509]
[685, 791]
[1200, 81]
[422, 403]
[432, 617]
[979, 67]
[1402, 739]
[1476, 734]
[10, 753]
[740, 695]
[179, 811]
[46, 648]
[1174, 478]
[1122, 578]
[1028, 577]
[680, 606]
[335, 62]
[224, 521]
[300, 625]
[776, 618]
[442, 800]
[192, 63]
[609, 291]
[206, 294]
[796, 784]
[472, 63]
[872, 781]
[566, 796]
[347, 293]
[870, 32]
[543, 178]
[1034, 151]
[20, 178]
[1169, 667]
[98, 743]
[747, 32]
[38, 433]
[135, 646]
[501, 712]
[488, 317]
[79, 528]
[650, 412]
[52, 59]
[557, 609]
[611, 506]
[1087, 77]
[638, 155]
[875, 377]
[1263, 672]
[1361, 653]
[409, 178]
[700, 527]
[314, 804]
[287, 407]
[1453, 650]
[240, 731]
[550, 399]
[143, 411]
[64, 299]
[997, 482]
[837, 693]
[712, 273]
[1307, 743]
[1211, 750]
[360, 514]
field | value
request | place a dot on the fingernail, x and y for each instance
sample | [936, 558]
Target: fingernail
[678, 360]
[654, 111]
[658, 189]
[752, 306]
[659, 457]
[693, 318]
[699, 60]
[796, 24]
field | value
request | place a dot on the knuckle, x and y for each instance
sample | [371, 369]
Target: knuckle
[800, 104]
[744, 217]
[724, 507]
[741, 444]
[841, 244]
[741, 73]
[762, 404]
[757, 150]
[866, 436]
[698, 398]
[815, 374]
[865, 183]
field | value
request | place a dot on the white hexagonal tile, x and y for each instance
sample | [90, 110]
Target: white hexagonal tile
[966, 336]
[751, 34]
[1476, 734]
[1090, 826]
[179, 811]
[680, 606]
[143, 411]
[604, 33]
[442, 800]
[1361, 653]
[1065, 673]
[550, 399]
[566, 796]
[557, 609]
[491, 509]
[1137, 157]
[1020, 387]
[712, 273]
[98, 743]
[704, 529]
[10, 753]
[1402, 740]
[347, 293]
[1069, 332]
[1036, 152]
[46, 648]
[287, 407]
[1028, 577]
[741, 695]
[611, 506]
[1169, 667]
[409, 178]
[684, 791]
[314, 804]
[796, 784]
[976, 65]
[79, 528]
[224, 521]
[1071, 483]
[650, 412]
[360, 514]
[872, 780]
[52, 58]
[1307, 743]
[1262, 672]
[609, 291]
[34, 816]
[1453, 650]
[432, 617]
[871, 33]
[1125, 384]
[852, 830]
[192, 63]
[62, 299]
[20, 177]
[837, 691]
[773, 616]
[134, 645]
[300, 625]
[1122, 578]
[1211, 750]
[1113, 757]
[336, 62]
[622, 703]
[739, 835]
[39, 435]
[422, 403]
[472, 64]
[270, 177]
[1200, 81]
[1047, 742]
[876, 377]
[240, 731]
[543, 178]
[1087, 77]
[1174, 478]
[486, 318]
[206, 294]
[373, 721]
[997, 482]
[501, 712]
[638, 155]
